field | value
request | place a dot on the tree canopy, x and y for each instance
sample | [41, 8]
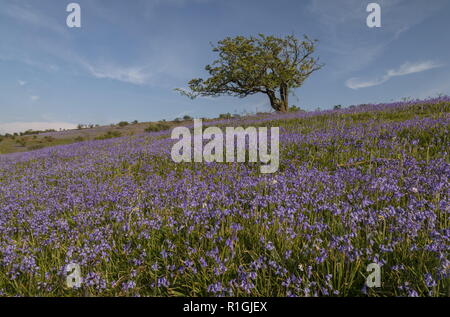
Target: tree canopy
[263, 64]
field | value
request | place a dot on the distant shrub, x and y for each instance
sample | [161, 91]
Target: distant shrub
[34, 132]
[294, 109]
[155, 127]
[337, 107]
[36, 147]
[79, 139]
[109, 135]
[86, 126]
[187, 118]
[225, 116]
[21, 142]
[49, 139]
[122, 124]
[135, 122]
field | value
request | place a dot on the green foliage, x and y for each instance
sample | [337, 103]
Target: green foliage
[155, 127]
[122, 124]
[225, 116]
[36, 147]
[34, 132]
[109, 135]
[263, 64]
[21, 142]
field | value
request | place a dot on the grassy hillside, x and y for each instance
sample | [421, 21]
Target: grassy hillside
[27, 143]
[36, 141]
[355, 186]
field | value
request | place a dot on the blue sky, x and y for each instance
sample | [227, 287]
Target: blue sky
[128, 56]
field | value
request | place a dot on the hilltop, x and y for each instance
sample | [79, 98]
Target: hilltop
[30, 141]
[35, 140]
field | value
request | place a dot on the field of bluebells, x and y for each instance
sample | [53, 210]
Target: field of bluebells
[367, 184]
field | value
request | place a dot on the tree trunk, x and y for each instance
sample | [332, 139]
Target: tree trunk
[284, 94]
[274, 102]
[279, 104]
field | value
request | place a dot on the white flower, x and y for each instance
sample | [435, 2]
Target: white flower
[414, 190]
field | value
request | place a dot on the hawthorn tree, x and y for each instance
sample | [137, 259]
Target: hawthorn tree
[263, 64]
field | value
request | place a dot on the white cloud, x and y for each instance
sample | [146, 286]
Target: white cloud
[411, 68]
[156, 72]
[14, 127]
[357, 83]
[21, 82]
[35, 98]
[405, 69]
[133, 75]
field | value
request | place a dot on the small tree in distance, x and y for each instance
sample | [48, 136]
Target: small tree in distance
[263, 64]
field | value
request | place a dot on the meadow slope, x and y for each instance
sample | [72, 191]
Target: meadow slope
[356, 186]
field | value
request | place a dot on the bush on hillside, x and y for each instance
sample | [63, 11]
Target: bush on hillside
[155, 127]
[109, 135]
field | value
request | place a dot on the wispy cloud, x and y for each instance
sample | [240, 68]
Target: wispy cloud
[133, 75]
[20, 126]
[405, 69]
[342, 21]
[35, 98]
[33, 17]
[21, 82]
[159, 66]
